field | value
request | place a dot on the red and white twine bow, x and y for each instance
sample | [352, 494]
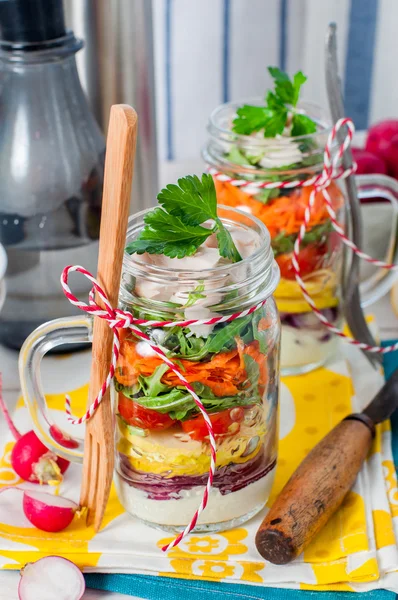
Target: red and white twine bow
[331, 170]
[119, 319]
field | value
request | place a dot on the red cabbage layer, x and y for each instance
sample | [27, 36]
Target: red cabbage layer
[227, 479]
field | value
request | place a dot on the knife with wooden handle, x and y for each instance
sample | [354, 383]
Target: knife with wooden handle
[318, 487]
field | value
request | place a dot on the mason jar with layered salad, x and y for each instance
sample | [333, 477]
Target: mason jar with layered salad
[163, 450]
[178, 272]
[306, 343]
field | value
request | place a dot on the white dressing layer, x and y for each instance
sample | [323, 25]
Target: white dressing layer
[178, 512]
[302, 347]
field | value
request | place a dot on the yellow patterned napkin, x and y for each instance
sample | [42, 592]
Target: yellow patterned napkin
[356, 550]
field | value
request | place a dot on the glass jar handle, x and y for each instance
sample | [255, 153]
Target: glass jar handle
[71, 330]
[380, 186]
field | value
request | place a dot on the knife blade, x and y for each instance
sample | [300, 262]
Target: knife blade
[385, 402]
[318, 486]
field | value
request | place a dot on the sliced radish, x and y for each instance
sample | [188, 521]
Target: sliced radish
[44, 511]
[47, 512]
[51, 577]
[62, 438]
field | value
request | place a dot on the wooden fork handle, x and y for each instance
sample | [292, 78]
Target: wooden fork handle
[119, 166]
[315, 490]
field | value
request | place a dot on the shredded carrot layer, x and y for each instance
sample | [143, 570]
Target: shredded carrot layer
[284, 214]
[224, 374]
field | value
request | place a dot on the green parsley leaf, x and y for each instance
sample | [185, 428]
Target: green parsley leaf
[192, 198]
[287, 91]
[226, 244]
[174, 230]
[272, 117]
[251, 118]
[276, 124]
[273, 102]
[283, 86]
[298, 80]
[168, 235]
[302, 125]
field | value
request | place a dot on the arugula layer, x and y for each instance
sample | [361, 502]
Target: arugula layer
[151, 393]
[279, 104]
[175, 229]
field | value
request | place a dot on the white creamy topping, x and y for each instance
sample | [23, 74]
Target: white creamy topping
[244, 208]
[200, 312]
[300, 348]
[144, 350]
[153, 291]
[206, 257]
[245, 241]
[280, 152]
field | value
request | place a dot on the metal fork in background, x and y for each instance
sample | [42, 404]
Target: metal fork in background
[352, 309]
[99, 441]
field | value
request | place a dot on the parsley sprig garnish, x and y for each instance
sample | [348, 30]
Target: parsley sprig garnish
[272, 118]
[175, 229]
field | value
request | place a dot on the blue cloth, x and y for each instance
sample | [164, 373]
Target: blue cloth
[166, 588]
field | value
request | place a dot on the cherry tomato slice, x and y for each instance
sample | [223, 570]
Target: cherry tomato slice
[224, 422]
[142, 417]
[310, 259]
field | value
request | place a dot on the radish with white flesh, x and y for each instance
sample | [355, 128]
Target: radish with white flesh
[51, 577]
[47, 512]
[30, 458]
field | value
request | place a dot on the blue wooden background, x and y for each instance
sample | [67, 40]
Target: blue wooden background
[211, 51]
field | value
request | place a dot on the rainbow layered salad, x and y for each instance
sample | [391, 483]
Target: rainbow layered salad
[163, 442]
[278, 141]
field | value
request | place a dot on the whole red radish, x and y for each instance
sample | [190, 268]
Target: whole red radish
[379, 140]
[32, 461]
[47, 512]
[392, 157]
[367, 162]
[30, 458]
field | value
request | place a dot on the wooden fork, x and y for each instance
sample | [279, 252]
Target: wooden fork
[99, 441]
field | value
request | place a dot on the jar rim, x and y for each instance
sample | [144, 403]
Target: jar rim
[262, 229]
[259, 270]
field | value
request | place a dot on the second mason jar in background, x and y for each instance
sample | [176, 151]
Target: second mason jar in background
[306, 343]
